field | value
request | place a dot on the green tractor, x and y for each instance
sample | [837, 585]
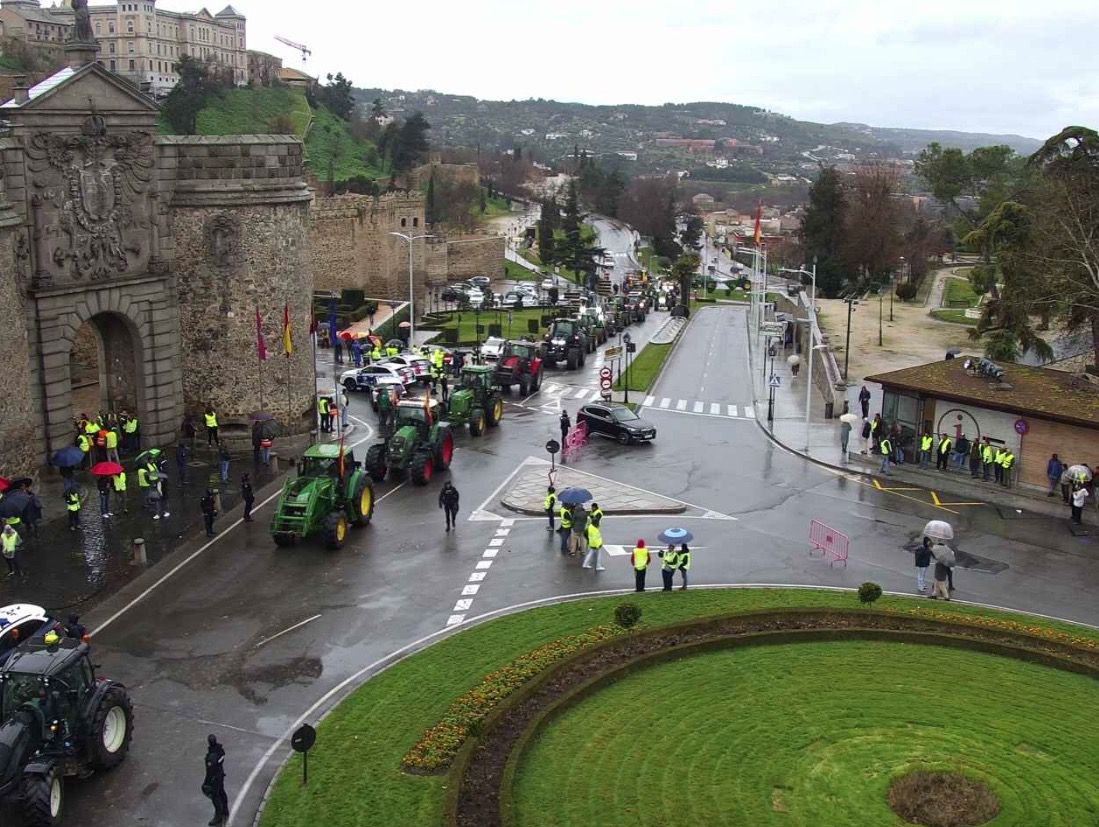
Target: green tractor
[418, 444]
[476, 400]
[326, 497]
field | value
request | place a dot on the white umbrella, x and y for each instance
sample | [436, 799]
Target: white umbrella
[1080, 473]
[850, 419]
[793, 360]
[938, 530]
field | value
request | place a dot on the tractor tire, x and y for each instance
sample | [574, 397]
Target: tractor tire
[43, 798]
[444, 452]
[476, 422]
[583, 358]
[362, 504]
[572, 359]
[335, 530]
[374, 463]
[495, 412]
[112, 729]
[285, 540]
[423, 468]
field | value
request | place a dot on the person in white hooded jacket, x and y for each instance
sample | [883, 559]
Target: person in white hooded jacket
[944, 562]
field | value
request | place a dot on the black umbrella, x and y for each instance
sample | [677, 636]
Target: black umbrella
[268, 428]
[22, 482]
[68, 457]
[262, 416]
[14, 504]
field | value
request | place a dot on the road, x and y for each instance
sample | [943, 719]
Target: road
[248, 637]
[618, 239]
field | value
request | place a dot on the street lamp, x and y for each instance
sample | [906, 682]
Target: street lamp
[627, 339]
[411, 288]
[850, 301]
[812, 341]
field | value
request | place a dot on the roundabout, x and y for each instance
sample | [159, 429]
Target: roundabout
[737, 706]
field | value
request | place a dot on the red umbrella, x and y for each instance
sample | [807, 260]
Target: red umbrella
[106, 469]
[347, 336]
[5, 484]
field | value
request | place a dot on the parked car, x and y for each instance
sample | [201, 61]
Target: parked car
[480, 281]
[372, 376]
[492, 348]
[617, 422]
[420, 365]
[475, 296]
[525, 287]
[452, 293]
[516, 298]
[548, 283]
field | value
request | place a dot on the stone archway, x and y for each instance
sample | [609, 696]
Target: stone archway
[104, 365]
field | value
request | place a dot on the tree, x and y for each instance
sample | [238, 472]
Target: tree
[337, 96]
[684, 270]
[196, 86]
[548, 223]
[872, 239]
[575, 251]
[411, 142]
[822, 230]
[648, 204]
[430, 210]
[691, 236]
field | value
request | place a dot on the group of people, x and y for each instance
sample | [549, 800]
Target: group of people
[671, 561]
[365, 350]
[101, 437]
[1077, 484]
[333, 410]
[937, 553]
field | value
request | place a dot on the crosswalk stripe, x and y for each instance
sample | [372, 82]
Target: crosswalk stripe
[665, 402]
[581, 393]
[698, 407]
[715, 409]
[748, 412]
[732, 410]
[681, 405]
[648, 403]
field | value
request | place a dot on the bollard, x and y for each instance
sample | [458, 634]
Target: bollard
[139, 557]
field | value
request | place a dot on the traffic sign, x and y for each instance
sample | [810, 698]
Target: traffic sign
[1022, 427]
[612, 352]
[605, 373]
[773, 328]
[774, 381]
[605, 384]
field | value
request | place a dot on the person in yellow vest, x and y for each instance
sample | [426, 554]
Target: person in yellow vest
[9, 546]
[988, 459]
[596, 513]
[73, 504]
[91, 427]
[595, 546]
[886, 448]
[112, 445]
[84, 443]
[392, 350]
[1006, 464]
[639, 559]
[998, 468]
[550, 503]
[131, 433]
[376, 353]
[684, 564]
[927, 442]
[326, 416]
[669, 560]
[120, 491]
[211, 419]
[564, 515]
[942, 458]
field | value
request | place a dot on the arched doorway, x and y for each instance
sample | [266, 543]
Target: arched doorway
[105, 366]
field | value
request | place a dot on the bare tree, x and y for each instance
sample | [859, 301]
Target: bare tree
[873, 235]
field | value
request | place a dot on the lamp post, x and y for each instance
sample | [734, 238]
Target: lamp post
[411, 288]
[627, 339]
[812, 342]
[850, 301]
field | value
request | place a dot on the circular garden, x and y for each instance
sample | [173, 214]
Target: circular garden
[725, 707]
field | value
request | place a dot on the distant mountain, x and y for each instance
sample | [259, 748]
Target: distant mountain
[752, 136]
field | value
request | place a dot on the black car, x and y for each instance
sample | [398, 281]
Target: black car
[617, 422]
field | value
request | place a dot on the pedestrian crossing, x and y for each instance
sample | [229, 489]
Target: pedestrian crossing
[687, 406]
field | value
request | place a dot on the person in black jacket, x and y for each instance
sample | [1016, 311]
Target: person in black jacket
[923, 563]
[248, 495]
[448, 501]
[213, 786]
[209, 510]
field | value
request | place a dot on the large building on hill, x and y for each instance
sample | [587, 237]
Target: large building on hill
[136, 40]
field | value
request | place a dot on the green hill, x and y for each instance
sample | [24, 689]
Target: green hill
[261, 110]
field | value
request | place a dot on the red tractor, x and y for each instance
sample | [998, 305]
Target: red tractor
[520, 363]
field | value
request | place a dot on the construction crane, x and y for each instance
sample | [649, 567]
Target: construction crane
[305, 50]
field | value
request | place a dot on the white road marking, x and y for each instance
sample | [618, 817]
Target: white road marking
[698, 407]
[490, 553]
[715, 409]
[648, 403]
[477, 577]
[503, 532]
[681, 405]
[286, 631]
[665, 402]
[581, 393]
[507, 523]
[453, 620]
[484, 565]
[732, 410]
[463, 605]
[615, 551]
[471, 590]
[496, 542]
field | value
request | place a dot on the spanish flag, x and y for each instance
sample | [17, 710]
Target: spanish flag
[287, 332]
[759, 224]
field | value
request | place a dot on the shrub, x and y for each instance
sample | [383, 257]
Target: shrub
[627, 615]
[711, 287]
[869, 592]
[907, 291]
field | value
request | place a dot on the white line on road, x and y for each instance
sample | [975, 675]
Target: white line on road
[453, 620]
[496, 542]
[749, 412]
[484, 565]
[580, 394]
[715, 409]
[698, 407]
[490, 553]
[463, 605]
[477, 577]
[471, 590]
[648, 403]
[732, 410]
[286, 631]
[681, 405]
[665, 402]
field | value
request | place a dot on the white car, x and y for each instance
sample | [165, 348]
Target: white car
[549, 282]
[374, 376]
[419, 364]
[492, 348]
[18, 623]
[476, 296]
[516, 298]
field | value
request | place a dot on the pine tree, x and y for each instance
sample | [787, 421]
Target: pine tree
[822, 230]
[429, 202]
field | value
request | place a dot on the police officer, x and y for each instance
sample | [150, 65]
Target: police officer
[669, 559]
[639, 559]
[550, 504]
[214, 783]
[448, 501]
[564, 514]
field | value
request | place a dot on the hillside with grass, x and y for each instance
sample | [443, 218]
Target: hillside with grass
[281, 110]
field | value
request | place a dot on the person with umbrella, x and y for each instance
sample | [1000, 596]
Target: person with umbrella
[669, 559]
[1079, 500]
[923, 563]
[944, 564]
[104, 484]
[9, 547]
[13, 506]
[681, 560]
[337, 348]
[357, 353]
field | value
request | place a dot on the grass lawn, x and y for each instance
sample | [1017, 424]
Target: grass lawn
[645, 367]
[467, 329]
[814, 734]
[495, 207]
[960, 290]
[517, 272]
[955, 316]
[354, 771]
[331, 138]
[251, 111]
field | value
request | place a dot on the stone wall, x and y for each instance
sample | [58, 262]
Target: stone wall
[449, 173]
[18, 456]
[476, 256]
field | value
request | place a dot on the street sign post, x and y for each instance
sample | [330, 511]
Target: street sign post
[302, 741]
[613, 352]
[774, 381]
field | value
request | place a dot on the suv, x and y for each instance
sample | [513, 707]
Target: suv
[59, 719]
[565, 342]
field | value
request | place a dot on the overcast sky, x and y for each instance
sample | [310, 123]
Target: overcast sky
[974, 65]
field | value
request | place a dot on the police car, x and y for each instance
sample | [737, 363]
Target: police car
[18, 623]
[420, 366]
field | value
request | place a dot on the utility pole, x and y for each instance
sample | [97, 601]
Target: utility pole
[881, 306]
[851, 302]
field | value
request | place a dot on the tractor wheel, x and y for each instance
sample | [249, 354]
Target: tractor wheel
[571, 361]
[495, 411]
[375, 462]
[423, 468]
[112, 729]
[335, 530]
[476, 422]
[285, 540]
[43, 798]
[362, 503]
[444, 453]
[583, 358]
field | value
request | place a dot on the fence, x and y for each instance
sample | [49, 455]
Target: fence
[575, 440]
[829, 541]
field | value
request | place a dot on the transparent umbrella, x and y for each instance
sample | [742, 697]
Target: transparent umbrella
[938, 530]
[1080, 473]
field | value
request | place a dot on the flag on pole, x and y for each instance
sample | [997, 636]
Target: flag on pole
[287, 332]
[759, 225]
[261, 345]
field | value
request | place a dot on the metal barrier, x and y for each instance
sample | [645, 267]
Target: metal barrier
[575, 440]
[829, 541]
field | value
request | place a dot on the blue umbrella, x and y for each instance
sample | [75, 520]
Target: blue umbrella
[574, 496]
[675, 535]
[68, 457]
